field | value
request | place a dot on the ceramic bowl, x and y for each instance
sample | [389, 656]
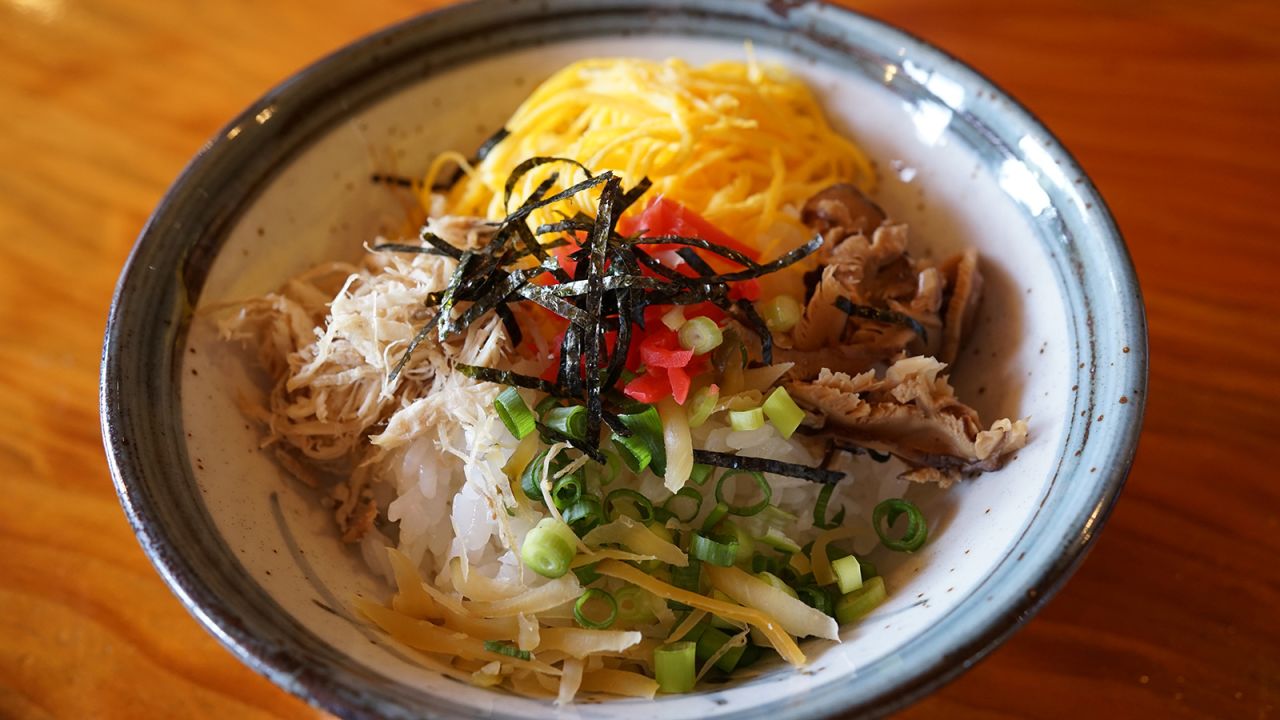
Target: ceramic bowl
[1061, 341]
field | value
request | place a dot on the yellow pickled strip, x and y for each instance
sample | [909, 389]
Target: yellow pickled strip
[619, 682]
[778, 638]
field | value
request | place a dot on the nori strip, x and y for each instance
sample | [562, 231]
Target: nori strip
[695, 261]
[450, 291]
[739, 462]
[760, 328]
[482, 152]
[510, 324]
[569, 192]
[606, 219]
[439, 243]
[524, 167]
[569, 376]
[588, 450]
[413, 345]
[890, 317]
[724, 252]
[630, 197]
[506, 377]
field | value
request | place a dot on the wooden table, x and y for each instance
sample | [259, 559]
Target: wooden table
[1172, 107]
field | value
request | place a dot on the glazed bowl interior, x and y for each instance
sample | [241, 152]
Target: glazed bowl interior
[255, 556]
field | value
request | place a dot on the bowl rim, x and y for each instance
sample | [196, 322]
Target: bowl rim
[961, 650]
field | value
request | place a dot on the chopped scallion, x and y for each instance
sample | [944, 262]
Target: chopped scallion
[549, 547]
[571, 420]
[503, 647]
[641, 505]
[848, 573]
[513, 412]
[860, 602]
[776, 582]
[579, 609]
[701, 335]
[723, 494]
[783, 412]
[584, 514]
[635, 605]
[710, 642]
[717, 514]
[718, 553]
[776, 539]
[702, 404]
[674, 667]
[567, 489]
[700, 473]
[887, 512]
[780, 313]
[743, 420]
[685, 504]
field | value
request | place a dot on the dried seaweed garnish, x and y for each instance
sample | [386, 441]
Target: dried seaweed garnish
[777, 467]
[854, 448]
[590, 451]
[889, 317]
[614, 279]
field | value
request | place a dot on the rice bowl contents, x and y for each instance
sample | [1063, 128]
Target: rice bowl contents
[642, 394]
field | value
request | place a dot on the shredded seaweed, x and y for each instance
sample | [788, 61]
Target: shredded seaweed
[777, 467]
[889, 317]
[613, 281]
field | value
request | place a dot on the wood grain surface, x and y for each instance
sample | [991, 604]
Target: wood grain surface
[1172, 106]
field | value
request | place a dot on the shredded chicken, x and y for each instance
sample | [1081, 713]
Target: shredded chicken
[912, 412]
[331, 338]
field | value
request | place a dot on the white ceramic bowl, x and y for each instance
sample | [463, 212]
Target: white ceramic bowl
[1061, 340]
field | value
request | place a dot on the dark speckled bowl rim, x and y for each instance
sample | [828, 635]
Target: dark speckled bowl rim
[141, 422]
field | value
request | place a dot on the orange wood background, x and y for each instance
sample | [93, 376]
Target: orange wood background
[1172, 106]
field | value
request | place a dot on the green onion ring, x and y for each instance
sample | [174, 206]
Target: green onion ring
[745, 510]
[887, 512]
[587, 622]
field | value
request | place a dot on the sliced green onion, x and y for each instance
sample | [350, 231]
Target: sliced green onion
[778, 540]
[646, 431]
[848, 573]
[579, 609]
[717, 514]
[750, 419]
[584, 514]
[764, 563]
[549, 548]
[735, 534]
[687, 498]
[860, 602]
[778, 583]
[766, 492]
[887, 512]
[531, 476]
[817, 598]
[701, 335]
[514, 413]
[674, 667]
[710, 642]
[635, 605]
[820, 510]
[674, 318]
[700, 473]
[612, 467]
[780, 313]
[751, 654]
[702, 404]
[571, 420]
[688, 578]
[868, 570]
[635, 452]
[546, 404]
[643, 506]
[567, 489]
[783, 412]
[503, 647]
[703, 548]
[587, 574]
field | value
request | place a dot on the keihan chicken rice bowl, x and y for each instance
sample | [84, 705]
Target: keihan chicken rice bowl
[749, 359]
